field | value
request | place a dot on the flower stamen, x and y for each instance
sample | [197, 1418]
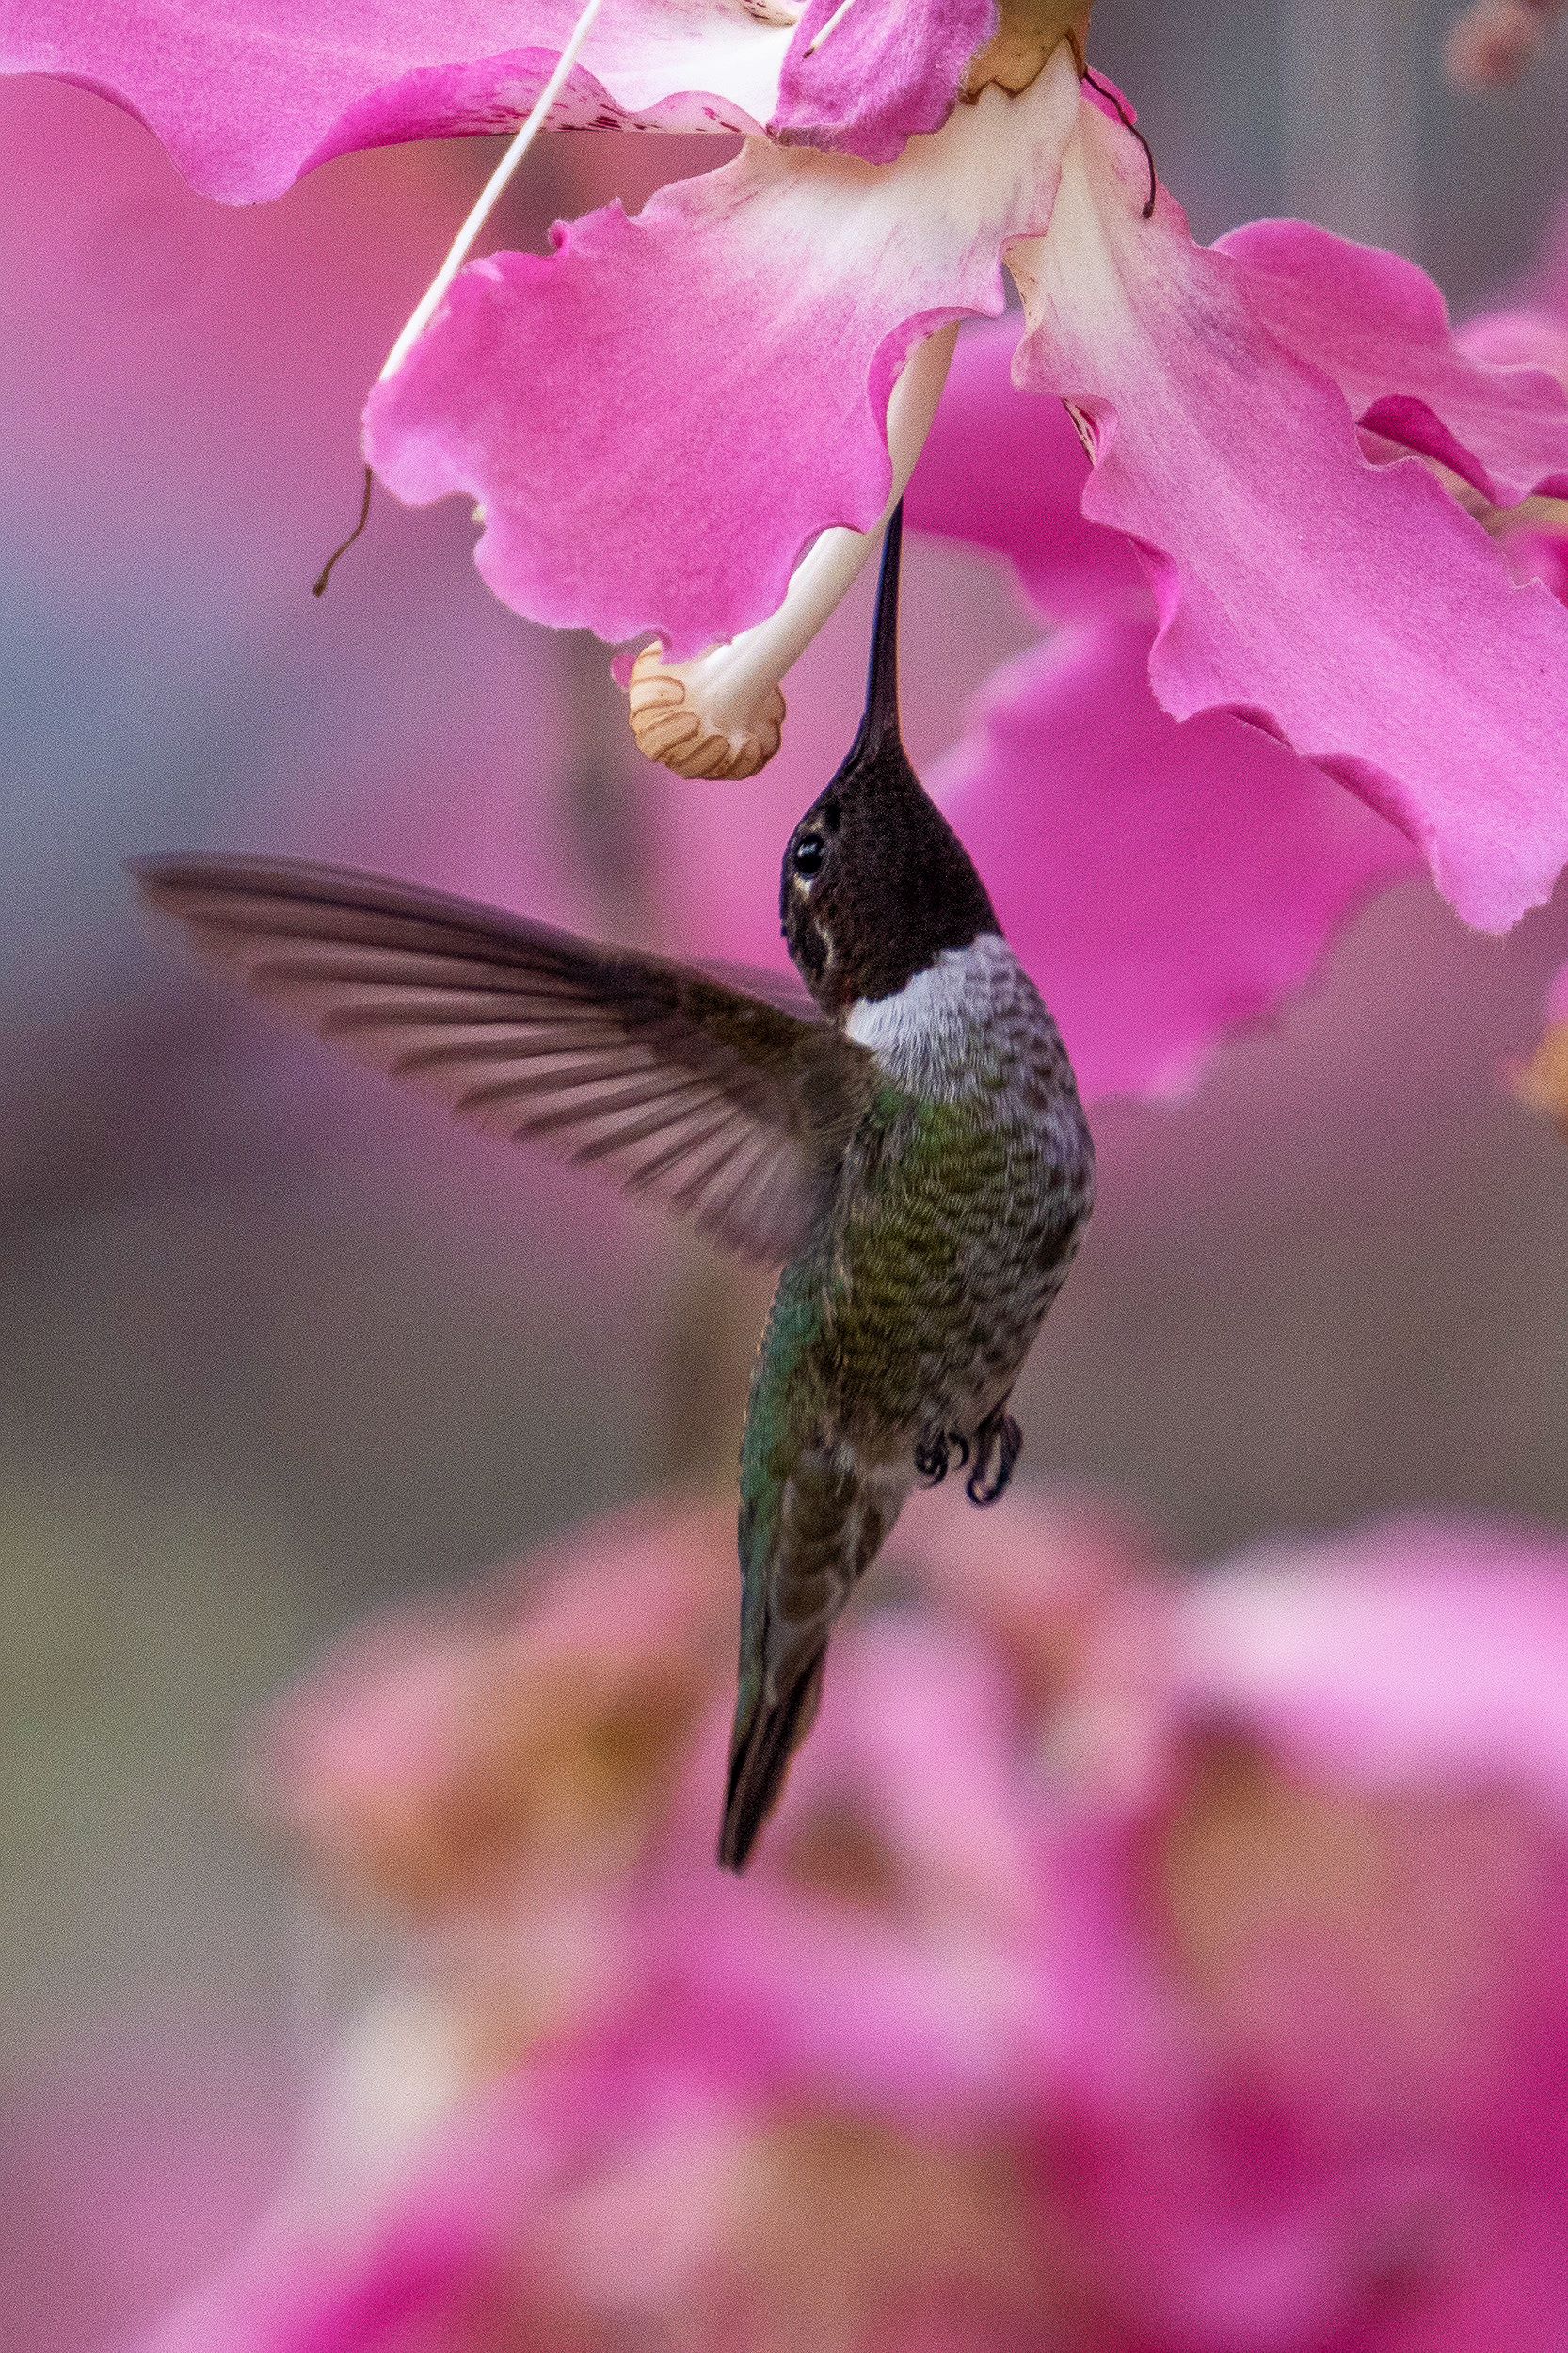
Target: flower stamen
[722, 713]
[494, 188]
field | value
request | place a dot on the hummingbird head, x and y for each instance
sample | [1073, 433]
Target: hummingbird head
[875, 883]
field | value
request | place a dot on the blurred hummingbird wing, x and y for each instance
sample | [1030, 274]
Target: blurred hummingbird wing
[724, 1107]
[783, 990]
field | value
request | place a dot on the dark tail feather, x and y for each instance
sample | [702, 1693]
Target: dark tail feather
[765, 1738]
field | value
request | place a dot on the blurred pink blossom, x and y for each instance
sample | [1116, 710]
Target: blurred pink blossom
[1494, 41]
[1139, 1964]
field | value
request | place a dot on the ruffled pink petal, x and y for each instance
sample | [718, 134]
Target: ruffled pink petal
[1352, 610]
[1418, 1651]
[1380, 328]
[1164, 884]
[659, 417]
[245, 97]
[1519, 339]
[1005, 470]
[886, 69]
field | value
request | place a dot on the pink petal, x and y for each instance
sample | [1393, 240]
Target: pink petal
[887, 70]
[1380, 328]
[659, 418]
[1354, 611]
[1418, 1649]
[1004, 469]
[1519, 339]
[1164, 884]
[247, 98]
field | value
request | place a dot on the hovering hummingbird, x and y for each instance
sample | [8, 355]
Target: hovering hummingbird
[908, 1141]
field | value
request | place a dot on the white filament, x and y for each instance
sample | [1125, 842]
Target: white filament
[833, 23]
[495, 187]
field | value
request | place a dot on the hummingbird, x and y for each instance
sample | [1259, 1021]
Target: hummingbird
[903, 1138]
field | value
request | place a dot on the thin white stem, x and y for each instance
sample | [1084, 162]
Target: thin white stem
[831, 26]
[495, 187]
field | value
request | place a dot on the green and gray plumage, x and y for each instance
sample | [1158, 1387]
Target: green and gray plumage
[907, 1142]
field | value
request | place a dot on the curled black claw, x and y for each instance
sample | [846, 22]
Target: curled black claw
[931, 1459]
[998, 1442]
[1124, 118]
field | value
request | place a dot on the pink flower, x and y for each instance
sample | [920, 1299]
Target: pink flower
[247, 100]
[1167, 883]
[498, 1772]
[1138, 1965]
[1494, 41]
[783, 2110]
[1304, 2035]
[660, 418]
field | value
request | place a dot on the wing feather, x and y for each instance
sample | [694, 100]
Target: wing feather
[728, 1103]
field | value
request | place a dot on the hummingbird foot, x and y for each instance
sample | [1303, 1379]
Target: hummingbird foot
[998, 1444]
[933, 1456]
[931, 1459]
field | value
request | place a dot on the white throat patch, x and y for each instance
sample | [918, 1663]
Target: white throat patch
[929, 1036]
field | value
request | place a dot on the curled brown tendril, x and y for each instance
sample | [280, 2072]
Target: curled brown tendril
[319, 587]
[1108, 92]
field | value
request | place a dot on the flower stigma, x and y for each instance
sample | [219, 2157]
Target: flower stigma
[722, 713]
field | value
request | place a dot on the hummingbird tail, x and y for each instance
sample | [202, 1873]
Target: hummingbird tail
[800, 1562]
[766, 1736]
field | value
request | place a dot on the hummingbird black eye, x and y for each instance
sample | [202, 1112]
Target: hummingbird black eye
[810, 850]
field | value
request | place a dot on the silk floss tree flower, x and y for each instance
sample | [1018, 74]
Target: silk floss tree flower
[1195, 870]
[1140, 1962]
[689, 426]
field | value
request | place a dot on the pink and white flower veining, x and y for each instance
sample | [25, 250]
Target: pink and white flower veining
[660, 418]
[1251, 859]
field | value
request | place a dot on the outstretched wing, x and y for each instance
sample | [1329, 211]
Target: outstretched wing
[727, 1107]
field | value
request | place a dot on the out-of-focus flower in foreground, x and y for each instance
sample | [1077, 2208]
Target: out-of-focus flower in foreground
[1136, 1963]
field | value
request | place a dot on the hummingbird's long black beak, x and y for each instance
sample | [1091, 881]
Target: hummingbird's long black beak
[879, 726]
